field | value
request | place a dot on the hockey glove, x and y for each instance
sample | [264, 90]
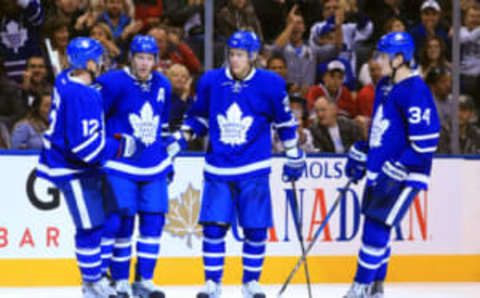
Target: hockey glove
[294, 166]
[130, 147]
[390, 180]
[175, 143]
[356, 165]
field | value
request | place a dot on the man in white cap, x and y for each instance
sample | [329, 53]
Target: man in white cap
[430, 13]
[332, 88]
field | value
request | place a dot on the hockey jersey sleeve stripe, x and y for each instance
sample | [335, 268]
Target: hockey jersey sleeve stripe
[238, 170]
[203, 121]
[121, 167]
[290, 123]
[419, 178]
[86, 143]
[424, 150]
[398, 204]
[97, 151]
[424, 137]
[56, 172]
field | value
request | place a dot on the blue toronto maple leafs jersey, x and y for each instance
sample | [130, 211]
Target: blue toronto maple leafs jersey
[238, 116]
[140, 109]
[75, 144]
[405, 128]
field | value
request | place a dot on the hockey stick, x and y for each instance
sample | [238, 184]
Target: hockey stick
[297, 218]
[315, 237]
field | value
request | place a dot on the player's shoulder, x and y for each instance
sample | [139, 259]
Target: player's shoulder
[112, 76]
[414, 84]
[264, 76]
[160, 78]
[213, 76]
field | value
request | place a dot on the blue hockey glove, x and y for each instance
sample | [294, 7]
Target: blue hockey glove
[294, 166]
[130, 147]
[391, 179]
[175, 143]
[356, 165]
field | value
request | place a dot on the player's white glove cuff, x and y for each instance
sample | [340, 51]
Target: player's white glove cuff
[295, 157]
[357, 155]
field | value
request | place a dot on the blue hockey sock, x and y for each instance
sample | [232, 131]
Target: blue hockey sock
[382, 271]
[87, 244]
[375, 240]
[214, 251]
[111, 227]
[148, 243]
[122, 249]
[253, 253]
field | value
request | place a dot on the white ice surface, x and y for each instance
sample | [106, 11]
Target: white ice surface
[393, 290]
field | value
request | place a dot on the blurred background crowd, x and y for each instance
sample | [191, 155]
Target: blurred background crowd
[322, 48]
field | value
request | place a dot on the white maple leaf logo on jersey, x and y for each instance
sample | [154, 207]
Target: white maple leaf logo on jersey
[379, 126]
[145, 125]
[14, 37]
[233, 128]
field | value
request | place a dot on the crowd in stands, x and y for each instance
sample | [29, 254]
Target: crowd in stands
[324, 49]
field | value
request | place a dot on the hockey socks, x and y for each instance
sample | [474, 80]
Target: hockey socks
[253, 253]
[214, 251]
[87, 244]
[382, 271]
[111, 227]
[148, 243]
[122, 249]
[373, 251]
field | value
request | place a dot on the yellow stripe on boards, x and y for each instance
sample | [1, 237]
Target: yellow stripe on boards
[189, 271]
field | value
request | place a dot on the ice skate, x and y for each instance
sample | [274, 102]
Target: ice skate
[357, 290]
[99, 289]
[211, 290]
[146, 289]
[376, 291]
[252, 290]
[123, 288]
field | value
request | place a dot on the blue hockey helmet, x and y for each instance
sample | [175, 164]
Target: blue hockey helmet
[245, 40]
[83, 49]
[397, 43]
[144, 44]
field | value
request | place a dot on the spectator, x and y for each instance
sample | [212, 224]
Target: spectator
[70, 12]
[470, 56]
[440, 82]
[349, 77]
[333, 90]
[433, 55]
[115, 17]
[172, 50]
[381, 11]
[13, 105]
[4, 137]
[430, 13]
[332, 133]
[35, 79]
[101, 32]
[20, 21]
[305, 140]
[347, 35]
[301, 58]
[182, 97]
[394, 24]
[27, 133]
[237, 14]
[469, 134]
[56, 29]
[366, 95]
[148, 11]
[271, 15]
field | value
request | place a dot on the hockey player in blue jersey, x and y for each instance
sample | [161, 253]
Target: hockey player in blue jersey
[397, 159]
[137, 102]
[75, 146]
[237, 105]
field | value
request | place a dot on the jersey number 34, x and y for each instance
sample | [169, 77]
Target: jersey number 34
[417, 115]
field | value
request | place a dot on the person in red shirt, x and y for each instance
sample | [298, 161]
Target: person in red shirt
[366, 95]
[333, 89]
[172, 50]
